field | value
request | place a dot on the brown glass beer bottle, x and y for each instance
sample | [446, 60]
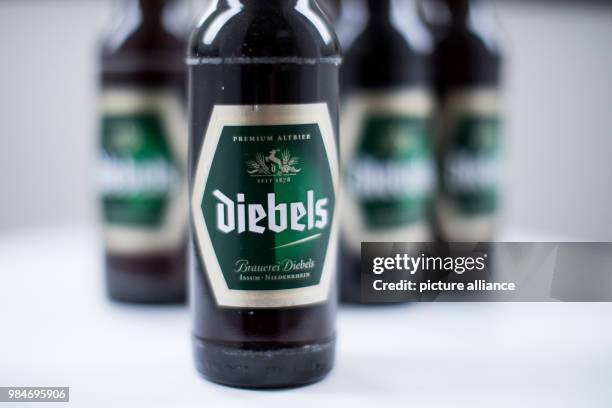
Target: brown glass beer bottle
[467, 60]
[387, 162]
[143, 153]
[264, 184]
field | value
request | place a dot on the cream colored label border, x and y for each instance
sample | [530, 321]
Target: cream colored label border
[454, 225]
[242, 115]
[414, 102]
[122, 240]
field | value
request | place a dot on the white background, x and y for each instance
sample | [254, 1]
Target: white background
[58, 329]
[559, 133]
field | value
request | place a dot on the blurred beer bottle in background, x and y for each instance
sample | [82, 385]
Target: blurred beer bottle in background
[143, 151]
[385, 133]
[467, 65]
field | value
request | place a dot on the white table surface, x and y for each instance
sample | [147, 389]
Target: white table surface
[57, 329]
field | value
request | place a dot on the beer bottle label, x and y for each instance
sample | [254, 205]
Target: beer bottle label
[468, 149]
[143, 187]
[263, 204]
[387, 167]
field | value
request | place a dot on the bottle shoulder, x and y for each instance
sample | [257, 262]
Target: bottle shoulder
[469, 43]
[467, 59]
[384, 44]
[142, 50]
[384, 56]
[232, 32]
[141, 39]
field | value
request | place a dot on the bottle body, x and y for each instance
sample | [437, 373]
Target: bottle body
[468, 124]
[386, 143]
[143, 154]
[263, 182]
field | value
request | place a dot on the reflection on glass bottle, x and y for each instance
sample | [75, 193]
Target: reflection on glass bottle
[386, 144]
[331, 8]
[468, 127]
[143, 152]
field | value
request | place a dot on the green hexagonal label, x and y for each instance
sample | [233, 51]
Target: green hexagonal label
[390, 177]
[388, 166]
[264, 205]
[144, 173]
[468, 170]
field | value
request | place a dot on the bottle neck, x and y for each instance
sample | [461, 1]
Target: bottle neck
[150, 11]
[379, 10]
[459, 11]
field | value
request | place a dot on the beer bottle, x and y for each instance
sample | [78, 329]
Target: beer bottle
[467, 81]
[385, 124]
[264, 185]
[143, 152]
